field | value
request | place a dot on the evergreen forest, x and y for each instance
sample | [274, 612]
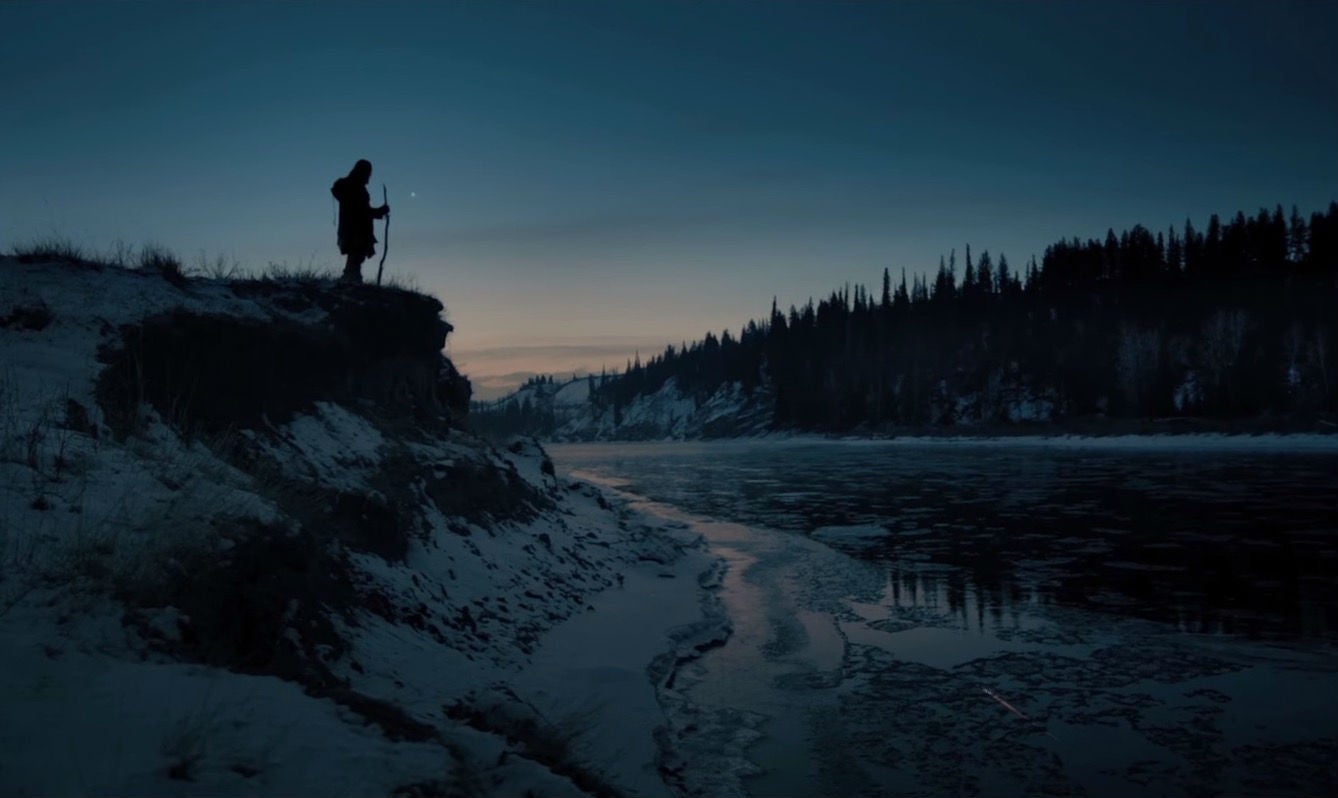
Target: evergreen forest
[1233, 321]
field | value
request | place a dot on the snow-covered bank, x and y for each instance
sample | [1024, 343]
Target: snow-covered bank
[575, 412]
[245, 549]
[603, 672]
[572, 412]
[691, 769]
[672, 413]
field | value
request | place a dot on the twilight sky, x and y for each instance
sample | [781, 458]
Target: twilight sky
[579, 180]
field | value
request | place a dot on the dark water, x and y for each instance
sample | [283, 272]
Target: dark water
[1165, 619]
[1216, 541]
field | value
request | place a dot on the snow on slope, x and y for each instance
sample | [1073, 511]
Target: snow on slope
[672, 413]
[302, 580]
[575, 393]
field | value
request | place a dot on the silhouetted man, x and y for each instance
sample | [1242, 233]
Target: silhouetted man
[356, 213]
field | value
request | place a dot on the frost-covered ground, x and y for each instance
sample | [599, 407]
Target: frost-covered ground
[338, 594]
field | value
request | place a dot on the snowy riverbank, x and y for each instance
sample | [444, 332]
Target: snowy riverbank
[244, 550]
[90, 707]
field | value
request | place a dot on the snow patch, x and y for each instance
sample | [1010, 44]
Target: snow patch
[336, 448]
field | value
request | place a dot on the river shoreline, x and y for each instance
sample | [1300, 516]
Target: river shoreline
[869, 664]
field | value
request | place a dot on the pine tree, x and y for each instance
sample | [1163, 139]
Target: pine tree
[777, 323]
[1174, 254]
[1110, 260]
[1275, 242]
[944, 283]
[1193, 245]
[985, 274]
[1298, 239]
[1212, 245]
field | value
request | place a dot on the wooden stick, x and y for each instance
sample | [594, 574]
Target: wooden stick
[385, 243]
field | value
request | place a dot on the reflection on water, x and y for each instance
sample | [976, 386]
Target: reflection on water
[886, 597]
[1233, 542]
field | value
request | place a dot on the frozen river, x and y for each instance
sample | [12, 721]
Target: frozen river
[921, 618]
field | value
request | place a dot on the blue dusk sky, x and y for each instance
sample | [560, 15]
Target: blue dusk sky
[577, 181]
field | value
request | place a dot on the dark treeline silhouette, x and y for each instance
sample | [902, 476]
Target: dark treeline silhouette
[1233, 321]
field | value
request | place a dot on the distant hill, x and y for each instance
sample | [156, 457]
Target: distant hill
[573, 411]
